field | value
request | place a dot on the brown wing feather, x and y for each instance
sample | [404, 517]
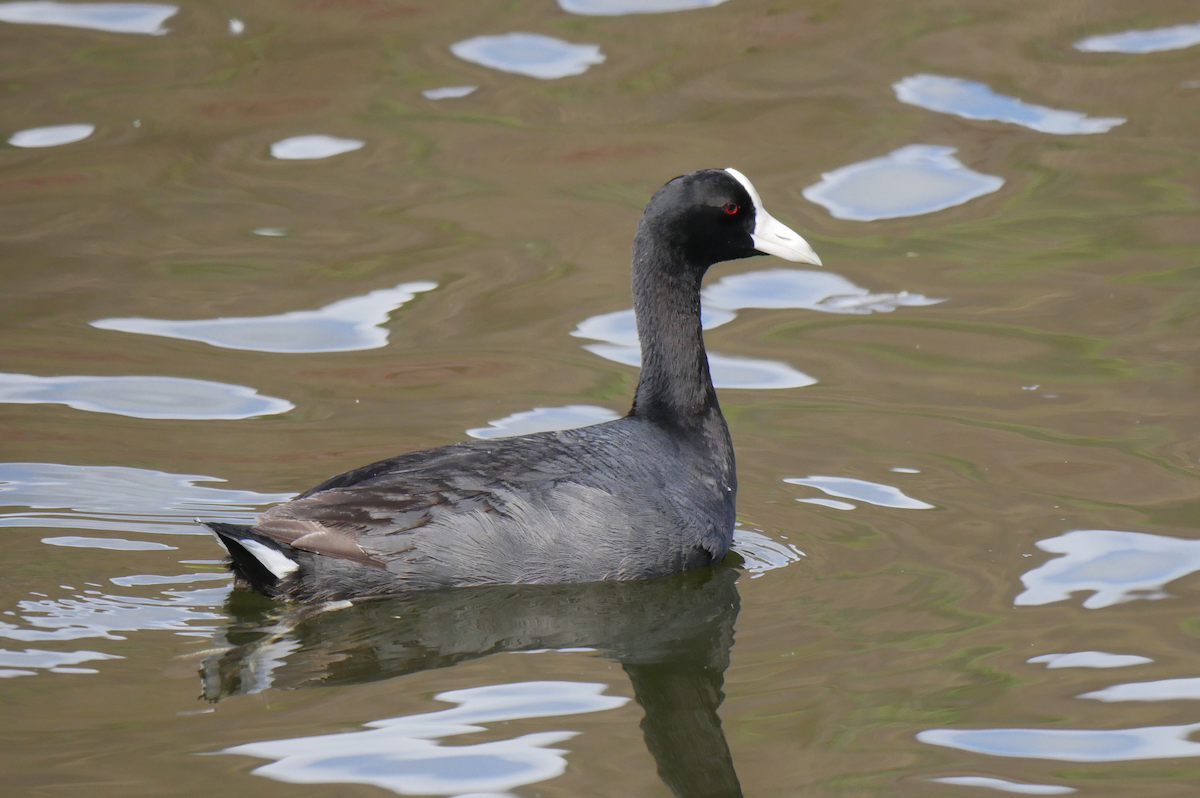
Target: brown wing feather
[367, 522]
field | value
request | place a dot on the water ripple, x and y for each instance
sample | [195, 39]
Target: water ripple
[142, 396]
[185, 612]
[109, 544]
[1155, 40]
[800, 289]
[448, 92]
[972, 100]
[861, 490]
[53, 661]
[52, 136]
[767, 288]
[313, 147]
[614, 8]
[1117, 566]
[910, 181]
[544, 419]
[1161, 690]
[1071, 745]
[1089, 659]
[109, 17]
[760, 553]
[347, 325]
[530, 54]
[119, 498]
[1006, 786]
[404, 754]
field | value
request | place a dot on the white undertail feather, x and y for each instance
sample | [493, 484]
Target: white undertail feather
[272, 560]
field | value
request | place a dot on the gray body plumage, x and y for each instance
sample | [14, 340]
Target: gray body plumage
[620, 500]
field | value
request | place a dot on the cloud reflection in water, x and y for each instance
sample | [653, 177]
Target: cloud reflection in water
[448, 92]
[313, 147]
[142, 397]
[544, 419]
[108, 544]
[530, 54]
[120, 499]
[108, 17]
[768, 288]
[799, 289]
[344, 326]
[972, 100]
[405, 754]
[910, 181]
[860, 490]
[193, 613]
[1155, 40]
[17, 663]
[1006, 786]
[1161, 690]
[760, 553]
[1117, 566]
[1071, 745]
[613, 8]
[52, 136]
[618, 331]
[1089, 659]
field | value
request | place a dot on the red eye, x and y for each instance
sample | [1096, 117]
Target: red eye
[731, 208]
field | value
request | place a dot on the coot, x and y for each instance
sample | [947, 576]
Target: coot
[642, 496]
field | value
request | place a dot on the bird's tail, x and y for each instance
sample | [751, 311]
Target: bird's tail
[261, 562]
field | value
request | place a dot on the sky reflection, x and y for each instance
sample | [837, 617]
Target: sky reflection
[344, 326]
[405, 754]
[1117, 566]
[860, 490]
[910, 181]
[93, 614]
[1071, 745]
[1155, 40]
[110, 544]
[767, 288]
[800, 289]
[760, 553]
[612, 8]
[311, 148]
[53, 661]
[530, 54]
[1161, 690]
[52, 136]
[544, 419]
[618, 332]
[972, 100]
[109, 17]
[142, 397]
[119, 499]
[448, 92]
[1089, 659]
[1005, 786]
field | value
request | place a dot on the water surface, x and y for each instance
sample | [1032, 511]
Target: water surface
[966, 560]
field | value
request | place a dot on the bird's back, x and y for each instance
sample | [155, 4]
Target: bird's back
[621, 500]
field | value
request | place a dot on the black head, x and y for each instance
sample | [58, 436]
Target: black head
[715, 215]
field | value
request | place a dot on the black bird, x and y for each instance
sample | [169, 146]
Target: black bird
[642, 496]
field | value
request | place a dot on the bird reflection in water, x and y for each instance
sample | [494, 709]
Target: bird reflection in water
[671, 635]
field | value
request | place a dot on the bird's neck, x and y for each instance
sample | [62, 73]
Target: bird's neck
[675, 387]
